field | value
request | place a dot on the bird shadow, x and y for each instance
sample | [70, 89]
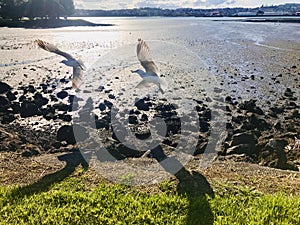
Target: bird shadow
[192, 185]
[72, 160]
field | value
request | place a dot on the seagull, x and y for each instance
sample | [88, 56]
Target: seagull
[151, 75]
[77, 64]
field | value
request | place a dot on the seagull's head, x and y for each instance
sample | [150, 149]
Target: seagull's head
[138, 71]
[65, 62]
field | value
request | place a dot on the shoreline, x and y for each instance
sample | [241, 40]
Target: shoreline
[47, 23]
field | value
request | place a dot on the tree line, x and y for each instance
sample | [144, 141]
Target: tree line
[44, 9]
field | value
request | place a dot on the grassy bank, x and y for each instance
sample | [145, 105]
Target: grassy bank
[73, 202]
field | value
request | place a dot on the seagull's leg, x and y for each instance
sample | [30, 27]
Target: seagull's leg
[160, 89]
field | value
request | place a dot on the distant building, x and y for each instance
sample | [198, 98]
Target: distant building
[277, 13]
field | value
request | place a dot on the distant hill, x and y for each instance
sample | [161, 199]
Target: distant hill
[280, 10]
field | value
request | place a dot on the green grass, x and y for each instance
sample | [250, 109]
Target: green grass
[72, 202]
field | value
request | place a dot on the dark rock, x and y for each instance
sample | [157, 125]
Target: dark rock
[240, 149]
[108, 104]
[228, 99]
[141, 105]
[102, 106]
[49, 109]
[173, 125]
[111, 96]
[288, 93]
[40, 100]
[11, 96]
[204, 126]
[53, 98]
[122, 152]
[67, 118]
[206, 114]
[50, 116]
[4, 102]
[8, 118]
[277, 109]
[62, 94]
[56, 145]
[244, 138]
[250, 106]
[4, 87]
[31, 89]
[63, 80]
[15, 107]
[22, 98]
[258, 123]
[30, 153]
[28, 109]
[62, 107]
[142, 136]
[200, 148]
[144, 117]
[239, 119]
[100, 88]
[72, 134]
[133, 119]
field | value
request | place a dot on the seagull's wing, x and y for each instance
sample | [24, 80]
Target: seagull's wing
[52, 48]
[145, 58]
[77, 76]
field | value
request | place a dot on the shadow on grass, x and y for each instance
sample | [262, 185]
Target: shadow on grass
[72, 160]
[47, 23]
[192, 185]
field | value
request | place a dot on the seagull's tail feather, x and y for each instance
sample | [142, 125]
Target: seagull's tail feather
[42, 44]
[76, 82]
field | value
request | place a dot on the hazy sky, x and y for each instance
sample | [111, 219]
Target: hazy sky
[124, 4]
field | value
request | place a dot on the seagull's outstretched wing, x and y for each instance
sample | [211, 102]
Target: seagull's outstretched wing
[145, 58]
[52, 48]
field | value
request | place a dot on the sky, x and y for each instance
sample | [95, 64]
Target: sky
[172, 4]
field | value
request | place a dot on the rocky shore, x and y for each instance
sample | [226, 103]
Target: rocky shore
[266, 137]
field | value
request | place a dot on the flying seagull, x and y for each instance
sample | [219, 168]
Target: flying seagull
[77, 64]
[151, 75]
